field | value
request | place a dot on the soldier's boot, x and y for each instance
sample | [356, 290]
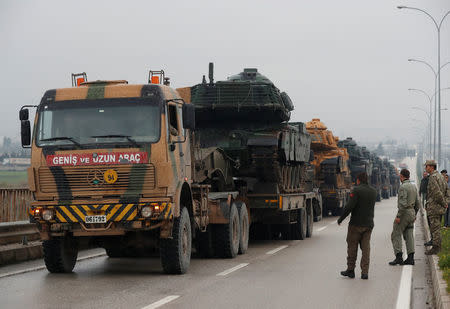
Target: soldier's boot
[428, 243]
[433, 250]
[348, 273]
[398, 259]
[409, 260]
[364, 276]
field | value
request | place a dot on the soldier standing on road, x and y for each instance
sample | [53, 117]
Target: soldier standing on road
[361, 206]
[436, 206]
[423, 187]
[408, 205]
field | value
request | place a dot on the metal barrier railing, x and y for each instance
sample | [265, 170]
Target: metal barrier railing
[14, 204]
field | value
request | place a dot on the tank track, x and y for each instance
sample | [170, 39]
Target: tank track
[291, 177]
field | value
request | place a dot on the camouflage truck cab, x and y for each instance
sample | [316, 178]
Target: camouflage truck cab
[115, 163]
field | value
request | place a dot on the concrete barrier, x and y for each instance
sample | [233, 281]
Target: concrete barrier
[19, 241]
[441, 297]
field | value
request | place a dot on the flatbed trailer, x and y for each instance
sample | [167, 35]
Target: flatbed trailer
[292, 215]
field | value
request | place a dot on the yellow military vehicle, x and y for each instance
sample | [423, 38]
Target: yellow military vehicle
[117, 165]
[332, 173]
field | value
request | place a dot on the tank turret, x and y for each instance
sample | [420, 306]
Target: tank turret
[247, 116]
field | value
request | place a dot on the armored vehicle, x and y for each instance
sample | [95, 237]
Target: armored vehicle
[375, 179]
[358, 161]
[332, 174]
[385, 179]
[394, 179]
[247, 117]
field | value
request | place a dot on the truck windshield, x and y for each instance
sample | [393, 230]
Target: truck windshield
[81, 123]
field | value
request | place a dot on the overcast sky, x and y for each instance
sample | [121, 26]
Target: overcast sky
[344, 62]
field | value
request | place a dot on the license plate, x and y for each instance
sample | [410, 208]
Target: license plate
[95, 219]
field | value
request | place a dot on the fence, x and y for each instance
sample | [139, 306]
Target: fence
[14, 204]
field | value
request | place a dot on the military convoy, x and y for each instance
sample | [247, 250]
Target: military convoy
[137, 169]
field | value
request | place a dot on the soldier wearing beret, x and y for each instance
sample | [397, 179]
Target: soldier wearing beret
[436, 206]
[408, 205]
[361, 207]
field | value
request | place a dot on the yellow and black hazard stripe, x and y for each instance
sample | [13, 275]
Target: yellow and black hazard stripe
[78, 213]
[166, 211]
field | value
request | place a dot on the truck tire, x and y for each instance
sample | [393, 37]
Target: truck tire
[298, 229]
[60, 254]
[227, 236]
[176, 252]
[309, 223]
[244, 227]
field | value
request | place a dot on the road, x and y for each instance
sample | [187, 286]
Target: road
[273, 274]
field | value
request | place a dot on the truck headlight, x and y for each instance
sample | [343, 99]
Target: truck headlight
[146, 211]
[47, 214]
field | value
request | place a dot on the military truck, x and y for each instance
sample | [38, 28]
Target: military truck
[332, 174]
[247, 116]
[394, 179]
[120, 166]
[385, 179]
[376, 175]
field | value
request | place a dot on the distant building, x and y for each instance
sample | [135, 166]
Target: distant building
[17, 161]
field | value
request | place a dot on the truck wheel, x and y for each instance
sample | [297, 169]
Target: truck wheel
[298, 229]
[309, 223]
[244, 227]
[176, 252]
[227, 236]
[60, 254]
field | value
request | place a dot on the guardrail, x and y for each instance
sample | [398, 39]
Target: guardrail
[14, 204]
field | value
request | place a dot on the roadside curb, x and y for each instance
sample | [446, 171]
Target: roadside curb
[441, 297]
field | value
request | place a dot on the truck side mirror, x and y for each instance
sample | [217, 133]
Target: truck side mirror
[24, 114]
[188, 116]
[25, 132]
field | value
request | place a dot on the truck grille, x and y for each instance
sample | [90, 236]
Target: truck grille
[90, 178]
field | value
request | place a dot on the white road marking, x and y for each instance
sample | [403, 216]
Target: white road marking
[229, 271]
[27, 270]
[321, 228]
[276, 250]
[162, 302]
[404, 290]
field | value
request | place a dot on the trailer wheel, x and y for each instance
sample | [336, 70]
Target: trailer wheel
[176, 252]
[298, 229]
[60, 254]
[244, 227]
[309, 223]
[227, 236]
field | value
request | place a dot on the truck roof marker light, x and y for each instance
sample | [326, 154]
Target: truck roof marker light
[155, 79]
[80, 81]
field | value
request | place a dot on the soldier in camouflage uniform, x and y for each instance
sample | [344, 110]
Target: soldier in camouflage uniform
[437, 199]
[408, 205]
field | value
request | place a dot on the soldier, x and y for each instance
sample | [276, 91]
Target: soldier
[361, 206]
[408, 205]
[436, 206]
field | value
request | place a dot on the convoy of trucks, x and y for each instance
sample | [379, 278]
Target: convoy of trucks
[137, 169]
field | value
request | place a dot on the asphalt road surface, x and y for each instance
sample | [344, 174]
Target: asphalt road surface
[273, 274]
